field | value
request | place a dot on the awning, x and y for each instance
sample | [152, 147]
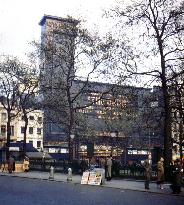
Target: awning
[38, 155]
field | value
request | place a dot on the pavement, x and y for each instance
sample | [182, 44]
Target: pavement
[124, 184]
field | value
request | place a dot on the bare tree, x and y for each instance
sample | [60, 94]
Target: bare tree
[66, 52]
[10, 69]
[19, 89]
[161, 24]
[28, 94]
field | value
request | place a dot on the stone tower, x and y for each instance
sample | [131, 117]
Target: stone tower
[57, 68]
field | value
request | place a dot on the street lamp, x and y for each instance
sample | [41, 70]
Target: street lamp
[113, 134]
[72, 136]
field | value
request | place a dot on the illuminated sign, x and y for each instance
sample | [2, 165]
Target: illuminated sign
[14, 149]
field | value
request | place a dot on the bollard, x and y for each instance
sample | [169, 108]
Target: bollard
[51, 174]
[69, 176]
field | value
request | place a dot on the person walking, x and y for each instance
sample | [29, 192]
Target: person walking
[160, 173]
[11, 162]
[148, 170]
[83, 166]
[4, 166]
[26, 164]
[109, 169]
[102, 163]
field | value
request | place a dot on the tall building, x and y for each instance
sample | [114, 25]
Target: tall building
[57, 70]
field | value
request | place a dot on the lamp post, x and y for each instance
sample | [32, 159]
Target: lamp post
[149, 139]
[114, 135]
[71, 150]
[43, 160]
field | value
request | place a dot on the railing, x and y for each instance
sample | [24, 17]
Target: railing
[134, 172]
[60, 166]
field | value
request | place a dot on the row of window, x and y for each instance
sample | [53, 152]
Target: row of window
[39, 119]
[38, 143]
[31, 130]
[3, 130]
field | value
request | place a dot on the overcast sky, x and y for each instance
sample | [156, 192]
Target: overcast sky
[19, 19]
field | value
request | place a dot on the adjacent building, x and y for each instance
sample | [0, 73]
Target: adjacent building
[34, 131]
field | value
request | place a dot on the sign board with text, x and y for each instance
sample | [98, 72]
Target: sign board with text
[95, 178]
[85, 178]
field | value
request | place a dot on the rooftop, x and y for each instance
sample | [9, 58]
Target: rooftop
[69, 19]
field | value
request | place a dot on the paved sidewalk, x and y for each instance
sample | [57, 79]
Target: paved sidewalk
[114, 183]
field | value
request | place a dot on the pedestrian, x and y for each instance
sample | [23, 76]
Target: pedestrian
[109, 169]
[83, 166]
[148, 170]
[102, 163]
[26, 164]
[10, 164]
[176, 177]
[92, 163]
[160, 173]
[4, 166]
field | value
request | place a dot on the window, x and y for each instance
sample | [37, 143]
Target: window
[31, 141]
[3, 116]
[130, 152]
[39, 131]
[12, 115]
[12, 130]
[30, 130]
[3, 129]
[31, 117]
[39, 119]
[38, 143]
[22, 130]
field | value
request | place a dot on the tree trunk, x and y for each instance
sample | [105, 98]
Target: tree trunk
[8, 136]
[70, 131]
[25, 133]
[181, 140]
[167, 110]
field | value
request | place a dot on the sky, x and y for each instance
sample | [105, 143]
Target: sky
[19, 19]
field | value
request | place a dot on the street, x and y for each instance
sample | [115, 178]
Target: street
[24, 191]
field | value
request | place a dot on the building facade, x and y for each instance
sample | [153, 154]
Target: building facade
[34, 131]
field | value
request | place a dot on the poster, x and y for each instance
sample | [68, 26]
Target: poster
[85, 178]
[95, 178]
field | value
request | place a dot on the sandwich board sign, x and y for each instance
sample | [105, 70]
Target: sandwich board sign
[85, 178]
[95, 178]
